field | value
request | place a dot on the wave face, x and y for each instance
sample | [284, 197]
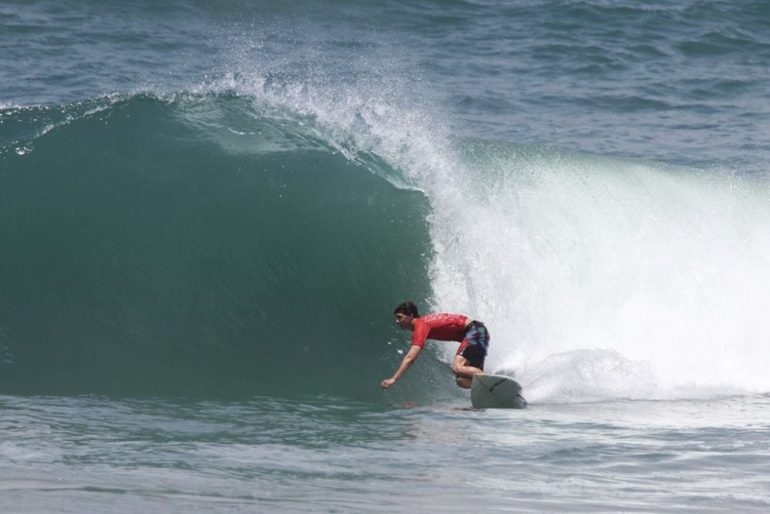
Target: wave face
[148, 250]
[237, 243]
[247, 242]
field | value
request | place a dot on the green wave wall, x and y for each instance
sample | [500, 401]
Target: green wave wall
[140, 255]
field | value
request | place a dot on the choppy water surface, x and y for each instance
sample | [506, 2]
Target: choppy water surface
[324, 455]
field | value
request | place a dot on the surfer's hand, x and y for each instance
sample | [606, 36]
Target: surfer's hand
[387, 383]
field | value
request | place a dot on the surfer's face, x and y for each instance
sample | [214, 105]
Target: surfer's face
[404, 320]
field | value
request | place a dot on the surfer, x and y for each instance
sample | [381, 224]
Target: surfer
[472, 335]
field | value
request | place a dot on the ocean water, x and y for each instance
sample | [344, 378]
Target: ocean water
[208, 211]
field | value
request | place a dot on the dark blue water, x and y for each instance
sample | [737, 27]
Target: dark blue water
[208, 211]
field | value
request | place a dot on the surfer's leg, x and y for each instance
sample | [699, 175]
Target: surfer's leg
[463, 382]
[464, 371]
[471, 354]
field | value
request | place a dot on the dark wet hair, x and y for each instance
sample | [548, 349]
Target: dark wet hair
[408, 308]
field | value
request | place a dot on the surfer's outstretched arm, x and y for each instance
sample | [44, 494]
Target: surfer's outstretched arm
[409, 358]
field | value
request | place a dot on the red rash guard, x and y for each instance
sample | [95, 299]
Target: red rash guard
[443, 327]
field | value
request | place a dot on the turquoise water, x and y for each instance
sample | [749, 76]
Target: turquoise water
[209, 210]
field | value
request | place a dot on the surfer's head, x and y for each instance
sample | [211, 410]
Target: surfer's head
[405, 314]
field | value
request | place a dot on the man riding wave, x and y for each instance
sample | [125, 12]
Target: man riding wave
[472, 335]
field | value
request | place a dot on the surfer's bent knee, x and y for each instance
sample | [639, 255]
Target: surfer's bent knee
[463, 382]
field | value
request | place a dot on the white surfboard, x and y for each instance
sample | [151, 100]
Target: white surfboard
[496, 392]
